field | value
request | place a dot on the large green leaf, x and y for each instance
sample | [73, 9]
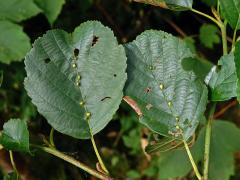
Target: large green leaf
[15, 135]
[16, 45]
[223, 82]
[170, 99]
[51, 8]
[231, 11]
[76, 80]
[178, 5]
[225, 141]
[18, 10]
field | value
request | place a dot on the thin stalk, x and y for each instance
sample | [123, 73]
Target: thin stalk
[234, 37]
[207, 16]
[74, 162]
[208, 141]
[192, 161]
[224, 37]
[98, 155]
[12, 161]
[51, 138]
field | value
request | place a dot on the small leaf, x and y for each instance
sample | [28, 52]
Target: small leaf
[14, 43]
[171, 99]
[17, 11]
[231, 12]
[50, 8]
[11, 176]
[223, 82]
[177, 5]
[208, 35]
[15, 136]
[76, 80]
[199, 66]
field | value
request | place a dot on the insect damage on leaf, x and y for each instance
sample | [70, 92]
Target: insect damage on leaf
[95, 40]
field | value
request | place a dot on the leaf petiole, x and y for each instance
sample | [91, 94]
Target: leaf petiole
[192, 161]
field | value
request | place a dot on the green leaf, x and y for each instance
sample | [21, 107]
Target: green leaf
[231, 12]
[199, 66]
[11, 176]
[16, 45]
[177, 5]
[237, 64]
[51, 8]
[210, 3]
[208, 35]
[76, 80]
[190, 42]
[170, 99]
[17, 11]
[15, 136]
[225, 141]
[223, 82]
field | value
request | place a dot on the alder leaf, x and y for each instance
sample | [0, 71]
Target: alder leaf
[17, 10]
[76, 80]
[231, 12]
[223, 79]
[171, 100]
[16, 45]
[51, 8]
[177, 5]
[15, 135]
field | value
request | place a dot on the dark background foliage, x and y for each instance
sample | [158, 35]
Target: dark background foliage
[122, 141]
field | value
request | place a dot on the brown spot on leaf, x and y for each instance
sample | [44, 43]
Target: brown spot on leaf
[133, 105]
[47, 60]
[148, 90]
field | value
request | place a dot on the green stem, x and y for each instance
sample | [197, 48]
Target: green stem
[12, 161]
[51, 140]
[234, 37]
[192, 161]
[73, 161]
[208, 141]
[207, 16]
[98, 155]
[224, 37]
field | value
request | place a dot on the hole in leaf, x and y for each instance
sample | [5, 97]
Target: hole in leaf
[107, 97]
[95, 40]
[76, 52]
[47, 60]
[148, 90]
[115, 75]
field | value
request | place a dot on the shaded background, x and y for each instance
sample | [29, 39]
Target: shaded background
[121, 142]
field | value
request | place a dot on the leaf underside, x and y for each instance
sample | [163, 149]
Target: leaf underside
[15, 135]
[223, 82]
[76, 81]
[171, 99]
[176, 5]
